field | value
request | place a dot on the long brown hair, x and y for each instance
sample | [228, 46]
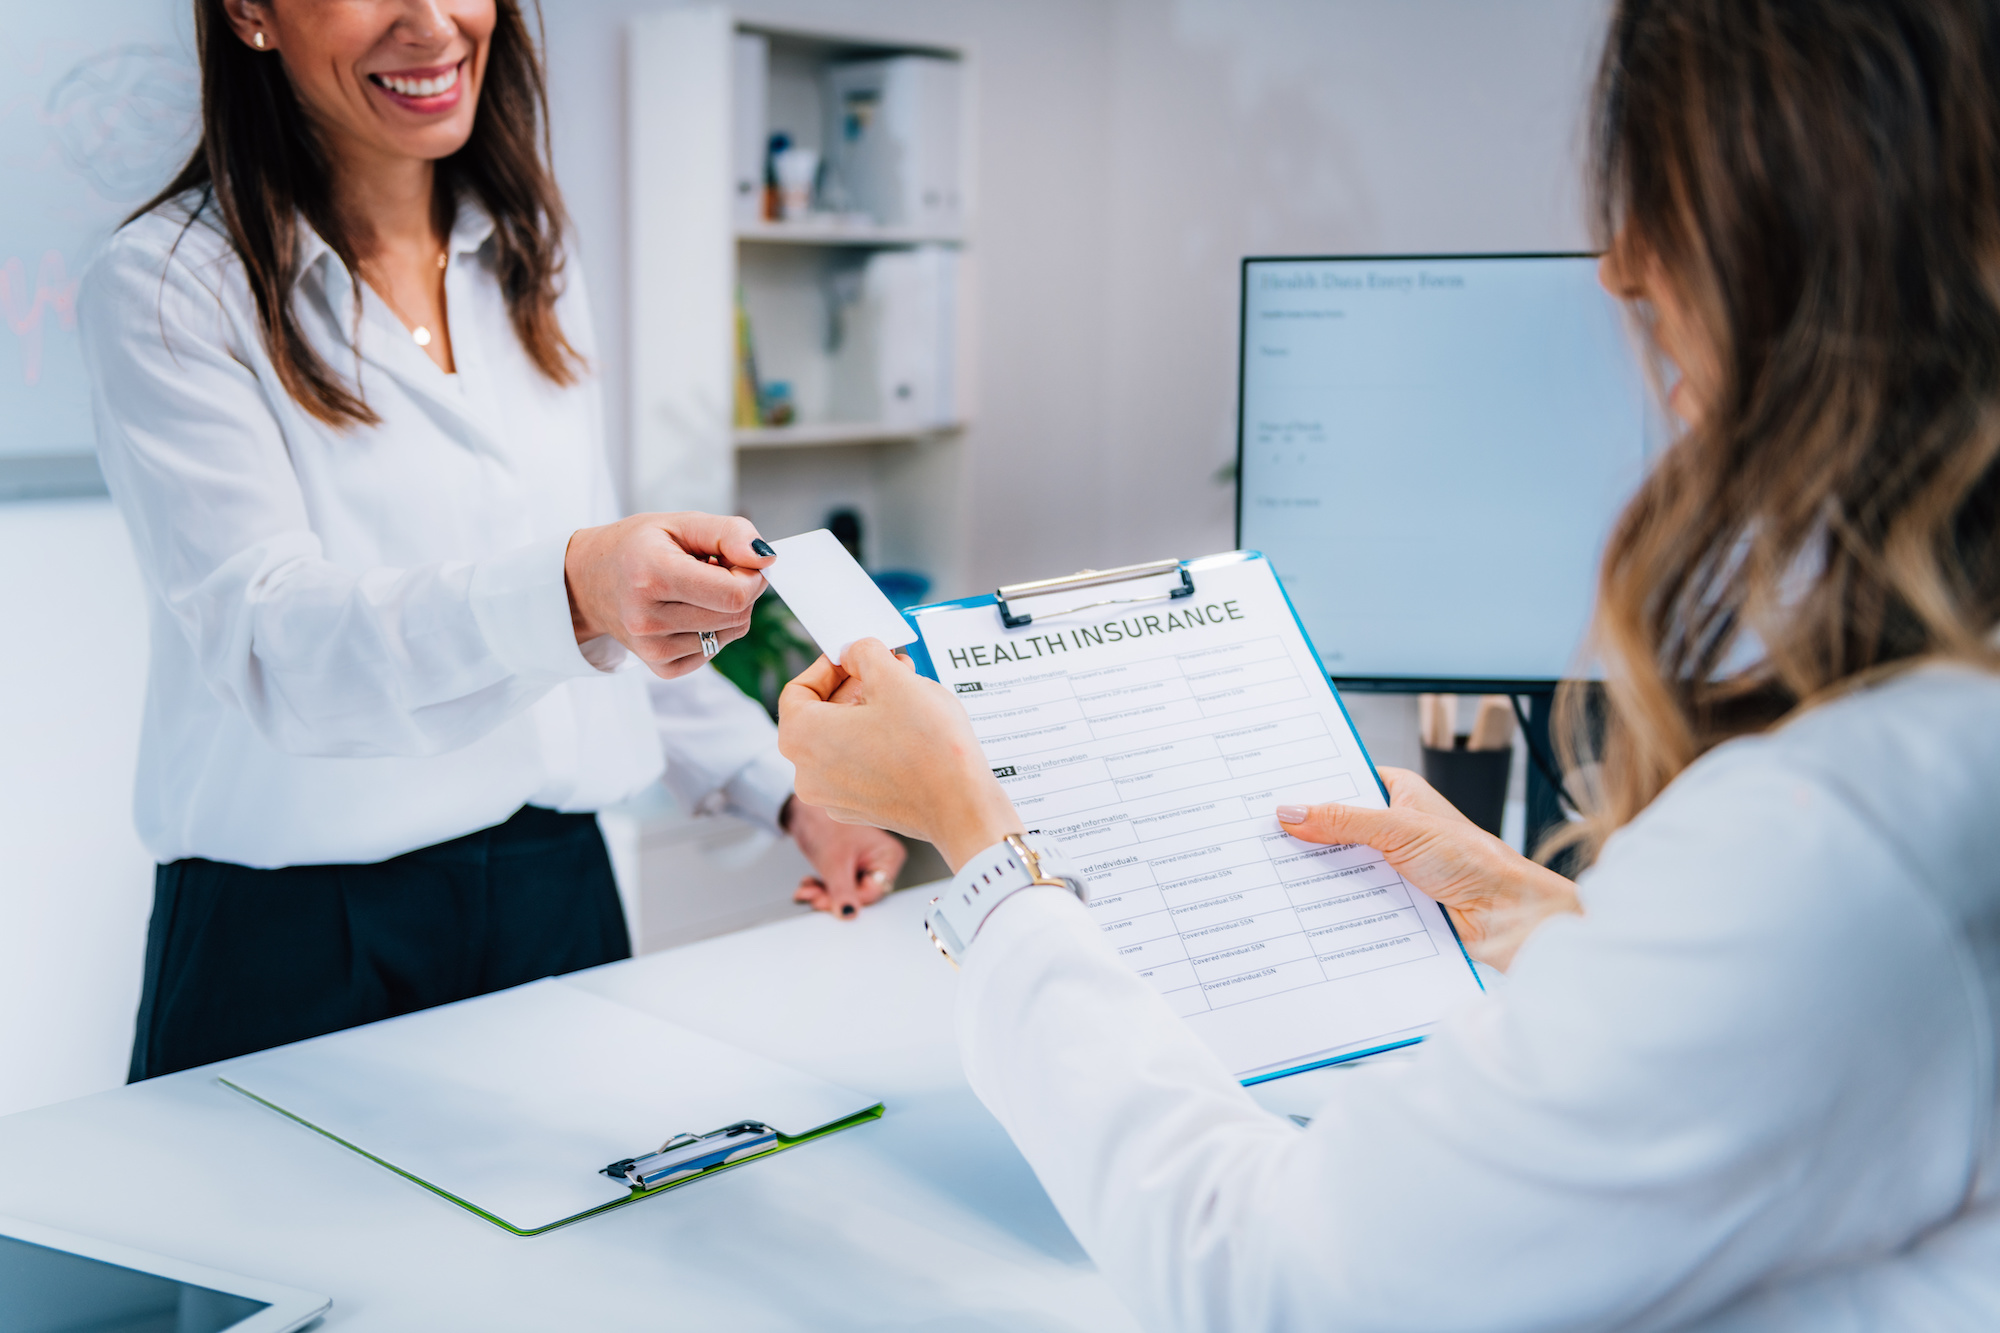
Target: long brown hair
[260, 166]
[1817, 182]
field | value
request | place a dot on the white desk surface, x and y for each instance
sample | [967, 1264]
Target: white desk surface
[927, 1219]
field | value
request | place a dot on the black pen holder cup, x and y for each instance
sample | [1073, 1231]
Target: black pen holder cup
[1473, 780]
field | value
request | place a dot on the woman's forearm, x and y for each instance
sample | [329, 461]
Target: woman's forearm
[971, 823]
[324, 660]
[329, 646]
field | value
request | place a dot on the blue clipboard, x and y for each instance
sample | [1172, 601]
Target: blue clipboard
[1004, 601]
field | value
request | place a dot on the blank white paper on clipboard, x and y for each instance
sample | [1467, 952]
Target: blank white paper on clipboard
[1154, 736]
[509, 1103]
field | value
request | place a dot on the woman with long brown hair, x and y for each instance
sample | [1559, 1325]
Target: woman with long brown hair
[346, 402]
[1744, 1071]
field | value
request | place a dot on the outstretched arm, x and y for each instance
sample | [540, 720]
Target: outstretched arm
[356, 655]
[1635, 1134]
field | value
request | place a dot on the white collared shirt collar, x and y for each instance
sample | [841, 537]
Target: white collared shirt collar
[392, 350]
[470, 230]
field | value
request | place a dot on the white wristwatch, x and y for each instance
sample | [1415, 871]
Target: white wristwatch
[1018, 861]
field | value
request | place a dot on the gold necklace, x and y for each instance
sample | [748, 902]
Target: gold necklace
[420, 334]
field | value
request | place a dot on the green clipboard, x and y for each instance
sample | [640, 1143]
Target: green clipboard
[517, 1106]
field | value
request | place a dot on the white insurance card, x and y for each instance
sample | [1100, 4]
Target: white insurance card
[832, 596]
[1154, 739]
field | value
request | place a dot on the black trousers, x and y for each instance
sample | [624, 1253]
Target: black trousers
[240, 960]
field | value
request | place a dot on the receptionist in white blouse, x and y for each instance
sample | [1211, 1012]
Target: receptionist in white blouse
[401, 647]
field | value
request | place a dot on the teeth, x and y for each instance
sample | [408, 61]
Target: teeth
[420, 87]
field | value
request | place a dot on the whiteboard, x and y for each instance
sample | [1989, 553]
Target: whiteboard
[99, 105]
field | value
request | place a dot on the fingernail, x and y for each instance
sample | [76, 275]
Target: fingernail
[761, 547]
[877, 875]
[847, 909]
[1292, 814]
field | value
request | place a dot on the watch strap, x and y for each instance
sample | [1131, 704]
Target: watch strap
[1016, 862]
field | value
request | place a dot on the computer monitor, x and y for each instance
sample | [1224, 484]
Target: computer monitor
[1431, 450]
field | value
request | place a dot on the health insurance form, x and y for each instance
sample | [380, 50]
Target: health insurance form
[1154, 740]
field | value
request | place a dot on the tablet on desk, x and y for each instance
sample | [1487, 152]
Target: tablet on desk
[53, 1282]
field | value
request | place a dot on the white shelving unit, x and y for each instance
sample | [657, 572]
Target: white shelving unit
[839, 432]
[840, 233]
[693, 252]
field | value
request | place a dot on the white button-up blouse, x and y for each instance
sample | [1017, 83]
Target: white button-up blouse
[1755, 1088]
[360, 637]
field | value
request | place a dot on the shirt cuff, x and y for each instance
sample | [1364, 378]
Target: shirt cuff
[603, 652]
[760, 789]
[521, 603]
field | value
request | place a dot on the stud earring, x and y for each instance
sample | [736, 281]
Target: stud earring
[257, 40]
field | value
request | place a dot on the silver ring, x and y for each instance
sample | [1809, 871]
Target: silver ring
[709, 647]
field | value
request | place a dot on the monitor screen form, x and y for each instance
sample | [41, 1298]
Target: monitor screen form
[1432, 451]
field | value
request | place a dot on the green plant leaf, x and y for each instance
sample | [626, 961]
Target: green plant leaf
[770, 653]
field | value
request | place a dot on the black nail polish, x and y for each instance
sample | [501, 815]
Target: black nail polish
[761, 547]
[847, 909]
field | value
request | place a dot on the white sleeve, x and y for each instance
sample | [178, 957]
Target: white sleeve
[323, 659]
[1749, 1058]
[722, 747]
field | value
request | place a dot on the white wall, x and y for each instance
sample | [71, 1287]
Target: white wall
[75, 885]
[1129, 152]
[1262, 127]
[1259, 127]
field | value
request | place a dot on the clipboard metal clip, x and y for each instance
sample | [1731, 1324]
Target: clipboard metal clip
[1091, 578]
[691, 1154]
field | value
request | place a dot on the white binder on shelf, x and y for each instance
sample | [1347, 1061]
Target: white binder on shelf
[750, 75]
[895, 140]
[897, 351]
[541, 1105]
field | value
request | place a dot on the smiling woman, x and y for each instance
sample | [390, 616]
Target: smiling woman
[375, 112]
[344, 401]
